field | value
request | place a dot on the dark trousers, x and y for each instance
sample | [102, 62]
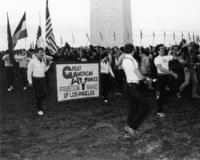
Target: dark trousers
[120, 76]
[10, 76]
[105, 85]
[163, 81]
[138, 108]
[23, 73]
[39, 85]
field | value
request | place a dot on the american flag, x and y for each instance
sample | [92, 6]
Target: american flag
[50, 39]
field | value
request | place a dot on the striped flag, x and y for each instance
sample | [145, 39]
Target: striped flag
[21, 31]
[174, 36]
[197, 38]
[193, 37]
[189, 37]
[182, 35]
[87, 36]
[73, 39]
[141, 34]
[101, 36]
[164, 35]
[50, 39]
[10, 42]
[39, 35]
[154, 35]
[61, 41]
[114, 36]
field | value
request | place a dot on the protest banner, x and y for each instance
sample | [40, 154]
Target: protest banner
[77, 80]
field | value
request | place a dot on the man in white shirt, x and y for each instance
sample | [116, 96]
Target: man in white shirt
[23, 62]
[138, 106]
[36, 78]
[162, 65]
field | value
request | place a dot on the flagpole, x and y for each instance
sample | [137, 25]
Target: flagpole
[153, 39]
[140, 38]
[165, 37]
[25, 43]
[25, 37]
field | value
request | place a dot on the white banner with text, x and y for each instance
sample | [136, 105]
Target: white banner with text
[77, 81]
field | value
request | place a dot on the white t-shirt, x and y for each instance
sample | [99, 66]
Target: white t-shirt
[36, 69]
[163, 61]
[129, 65]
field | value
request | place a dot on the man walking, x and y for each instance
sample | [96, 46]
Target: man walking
[36, 78]
[9, 71]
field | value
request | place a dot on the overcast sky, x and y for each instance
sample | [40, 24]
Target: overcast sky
[73, 17]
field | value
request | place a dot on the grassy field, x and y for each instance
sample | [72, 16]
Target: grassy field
[91, 130]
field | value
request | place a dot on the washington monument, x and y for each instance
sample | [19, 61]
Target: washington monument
[110, 22]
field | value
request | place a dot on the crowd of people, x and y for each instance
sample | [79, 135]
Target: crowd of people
[159, 68]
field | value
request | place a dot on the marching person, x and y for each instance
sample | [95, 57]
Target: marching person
[164, 76]
[36, 78]
[106, 72]
[138, 108]
[9, 71]
[23, 62]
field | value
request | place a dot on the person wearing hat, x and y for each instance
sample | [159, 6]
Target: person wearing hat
[106, 72]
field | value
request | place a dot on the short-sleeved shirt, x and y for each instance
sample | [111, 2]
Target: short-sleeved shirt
[129, 65]
[163, 61]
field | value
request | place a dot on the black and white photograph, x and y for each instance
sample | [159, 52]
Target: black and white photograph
[99, 80]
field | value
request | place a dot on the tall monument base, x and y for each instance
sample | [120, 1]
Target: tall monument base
[110, 22]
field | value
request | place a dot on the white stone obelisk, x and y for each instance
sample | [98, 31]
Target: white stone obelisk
[110, 22]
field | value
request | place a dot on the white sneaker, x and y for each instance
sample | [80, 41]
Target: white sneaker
[40, 113]
[9, 89]
[157, 94]
[167, 88]
[24, 88]
[178, 94]
[161, 115]
[129, 130]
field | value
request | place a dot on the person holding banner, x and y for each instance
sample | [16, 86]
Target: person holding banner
[36, 78]
[106, 71]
